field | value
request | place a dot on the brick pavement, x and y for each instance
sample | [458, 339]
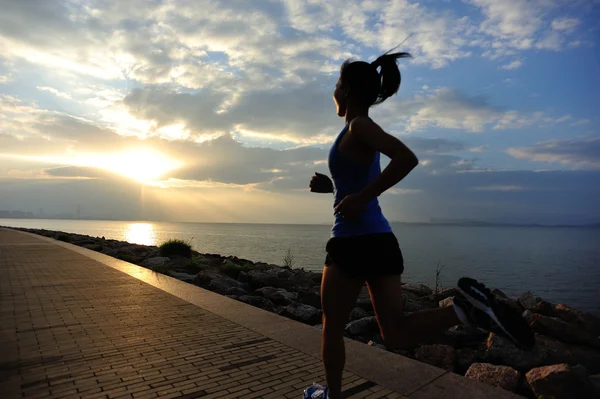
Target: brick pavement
[71, 326]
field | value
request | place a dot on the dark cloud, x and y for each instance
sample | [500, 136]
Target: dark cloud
[577, 152]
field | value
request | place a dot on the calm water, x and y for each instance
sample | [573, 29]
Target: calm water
[558, 264]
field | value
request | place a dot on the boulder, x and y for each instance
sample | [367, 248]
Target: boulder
[358, 313]
[223, 285]
[465, 357]
[258, 279]
[442, 356]
[311, 297]
[278, 296]
[536, 304]
[565, 332]
[155, 262]
[237, 291]
[418, 289]
[499, 376]
[365, 327]
[303, 313]
[460, 335]
[258, 302]
[584, 320]
[204, 277]
[561, 381]
[443, 294]
[185, 277]
[243, 277]
[559, 352]
[502, 351]
[528, 316]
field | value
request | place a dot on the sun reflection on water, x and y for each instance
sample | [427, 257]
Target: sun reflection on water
[140, 233]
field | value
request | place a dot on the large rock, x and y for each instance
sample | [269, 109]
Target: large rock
[278, 296]
[561, 381]
[465, 357]
[263, 278]
[443, 294]
[446, 302]
[258, 301]
[418, 289]
[460, 335]
[502, 351]
[566, 332]
[310, 297]
[365, 327]
[358, 313]
[584, 320]
[536, 304]
[499, 376]
[204, 277]
[303, 313]
[559, 352]
[156, 262]
[442, 356]
[223, 285]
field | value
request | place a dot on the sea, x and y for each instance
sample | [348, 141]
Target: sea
[559, 264]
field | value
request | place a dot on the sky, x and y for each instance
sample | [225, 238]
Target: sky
[221, 111]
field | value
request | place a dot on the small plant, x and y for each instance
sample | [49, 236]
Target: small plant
[233, 269]
[289, 259]
[438, 282]
[175, 247]
[63, 237]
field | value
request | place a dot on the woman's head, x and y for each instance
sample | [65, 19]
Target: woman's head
[360, 83]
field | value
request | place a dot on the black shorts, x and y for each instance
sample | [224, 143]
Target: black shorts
[365, 257]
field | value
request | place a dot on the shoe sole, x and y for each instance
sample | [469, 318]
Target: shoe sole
[490, 312]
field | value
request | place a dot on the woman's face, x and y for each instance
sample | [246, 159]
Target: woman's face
[339, 98]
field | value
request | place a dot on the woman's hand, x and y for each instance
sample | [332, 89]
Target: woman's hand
[352, 206]
[321, 184]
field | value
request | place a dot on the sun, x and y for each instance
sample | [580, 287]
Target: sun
[143, 165]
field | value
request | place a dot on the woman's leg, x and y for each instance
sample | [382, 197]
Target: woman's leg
[405, 331]
[338, 297]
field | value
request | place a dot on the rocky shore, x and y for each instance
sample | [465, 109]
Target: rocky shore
[564, 364]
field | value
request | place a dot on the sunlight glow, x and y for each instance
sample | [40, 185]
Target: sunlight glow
[140, 233]
[142, 165]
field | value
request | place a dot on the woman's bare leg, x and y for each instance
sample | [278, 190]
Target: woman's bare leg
[338, 297]
[405, 331]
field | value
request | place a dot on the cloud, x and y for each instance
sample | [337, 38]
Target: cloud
[581, 122]
[498, 188]
[54, 91]
[512, 65]
[565, 23]
[581, 153]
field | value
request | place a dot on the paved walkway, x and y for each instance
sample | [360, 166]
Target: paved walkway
[75, 323]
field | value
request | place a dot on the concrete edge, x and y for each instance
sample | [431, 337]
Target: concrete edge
[389, 370]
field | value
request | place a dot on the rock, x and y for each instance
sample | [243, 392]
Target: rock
[243, 277]
[258, 301]
[585, 320]
[502, 351]
[499, 376]
[511, 302]
[316, 278]
[528, 316]
[365, 327]
[418, 289]
[559, 352]
[258, 279]
[284, 274]
[358, 313]
[465, 357]
[318, 326]
[460, 335]
[561, 381]
[278, 296]
[445, 293]
[446, 302]
[528, 300]
[155, 262]
[188, 278]
[236, 291]
[182, 264]
[442, 356]
[204, 277]
[415, 306]
[310, 297]
[566, 332]
[498, 293]
[223, 285]
[115, 252]
[303, 313]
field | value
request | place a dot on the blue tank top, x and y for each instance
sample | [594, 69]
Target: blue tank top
[351, 177]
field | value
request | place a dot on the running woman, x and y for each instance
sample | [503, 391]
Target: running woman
[363, 249]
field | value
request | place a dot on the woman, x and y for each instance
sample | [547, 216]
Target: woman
[363, 248]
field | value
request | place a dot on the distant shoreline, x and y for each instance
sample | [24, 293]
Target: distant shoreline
[441, 223]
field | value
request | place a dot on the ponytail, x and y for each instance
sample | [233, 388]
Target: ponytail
[389, 75]
[363, 83]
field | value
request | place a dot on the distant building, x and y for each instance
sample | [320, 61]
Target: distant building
[5, 214]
